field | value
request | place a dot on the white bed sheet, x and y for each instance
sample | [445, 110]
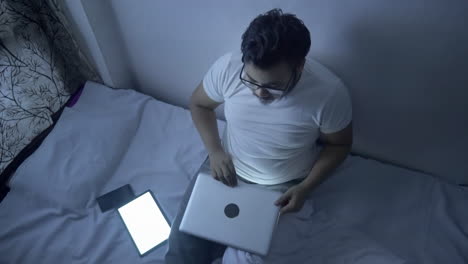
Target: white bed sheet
[367, 211]
[419, 218]
[108, 139]
[371, 212]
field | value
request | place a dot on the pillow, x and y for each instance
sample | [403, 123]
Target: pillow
[39, 68]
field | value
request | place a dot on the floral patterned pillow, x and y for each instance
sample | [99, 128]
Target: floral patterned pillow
[39, 68]
[31, 90]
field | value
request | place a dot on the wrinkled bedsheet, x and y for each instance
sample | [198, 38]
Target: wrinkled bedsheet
[367, 212]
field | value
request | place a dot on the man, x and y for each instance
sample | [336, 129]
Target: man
[288, 120]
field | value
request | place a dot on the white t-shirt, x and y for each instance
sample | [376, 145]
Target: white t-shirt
[276, 142]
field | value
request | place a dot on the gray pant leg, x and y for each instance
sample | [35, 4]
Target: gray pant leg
[184, 248]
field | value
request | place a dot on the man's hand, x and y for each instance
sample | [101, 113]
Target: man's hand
[293, 199]
[222, 168]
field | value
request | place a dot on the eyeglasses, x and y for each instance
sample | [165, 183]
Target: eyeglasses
[274, 91]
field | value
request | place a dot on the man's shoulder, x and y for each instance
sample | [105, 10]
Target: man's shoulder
[320, 87]
[320, 73]
[222, 78]
[322, 82]
[227, 66]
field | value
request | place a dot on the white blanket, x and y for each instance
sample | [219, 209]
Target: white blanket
[367, 211]
[315, 237]
[108, 139]
[371, 212]
[416, 216]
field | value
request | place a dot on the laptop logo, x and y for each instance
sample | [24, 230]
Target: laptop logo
[231, 210]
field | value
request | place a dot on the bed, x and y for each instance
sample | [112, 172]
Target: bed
[367, 212]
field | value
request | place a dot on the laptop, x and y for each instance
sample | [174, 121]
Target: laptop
[242, 217]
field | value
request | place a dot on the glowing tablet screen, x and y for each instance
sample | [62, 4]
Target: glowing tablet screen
[145, 222]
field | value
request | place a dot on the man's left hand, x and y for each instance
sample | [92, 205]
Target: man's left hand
[293, 199]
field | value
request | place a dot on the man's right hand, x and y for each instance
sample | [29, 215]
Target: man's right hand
[222, 168]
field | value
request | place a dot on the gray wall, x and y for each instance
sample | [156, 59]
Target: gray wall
[405, 63]
[94, 25]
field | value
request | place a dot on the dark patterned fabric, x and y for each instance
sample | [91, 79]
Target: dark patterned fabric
[40, 66]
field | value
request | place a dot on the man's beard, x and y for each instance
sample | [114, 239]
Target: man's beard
[266, 100]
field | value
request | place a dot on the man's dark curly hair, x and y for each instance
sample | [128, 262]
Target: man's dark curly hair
[274, 37]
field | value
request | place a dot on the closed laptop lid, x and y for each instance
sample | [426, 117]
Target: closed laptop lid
[243, 217]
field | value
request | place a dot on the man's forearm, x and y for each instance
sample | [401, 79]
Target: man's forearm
[329, 158]
[205, 122]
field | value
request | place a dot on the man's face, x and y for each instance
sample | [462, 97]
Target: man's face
[278, 77]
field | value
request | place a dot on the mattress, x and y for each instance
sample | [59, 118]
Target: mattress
[418, 217]
[366, 212]
[107, 139]
[371, 212]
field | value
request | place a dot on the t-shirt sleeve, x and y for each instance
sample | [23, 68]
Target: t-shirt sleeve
[337, 112]
[215, 80]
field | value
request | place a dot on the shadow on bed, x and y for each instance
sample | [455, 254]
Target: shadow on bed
[32, 146]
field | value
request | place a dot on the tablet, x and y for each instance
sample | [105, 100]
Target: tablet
[115, 198]
[146, 222]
